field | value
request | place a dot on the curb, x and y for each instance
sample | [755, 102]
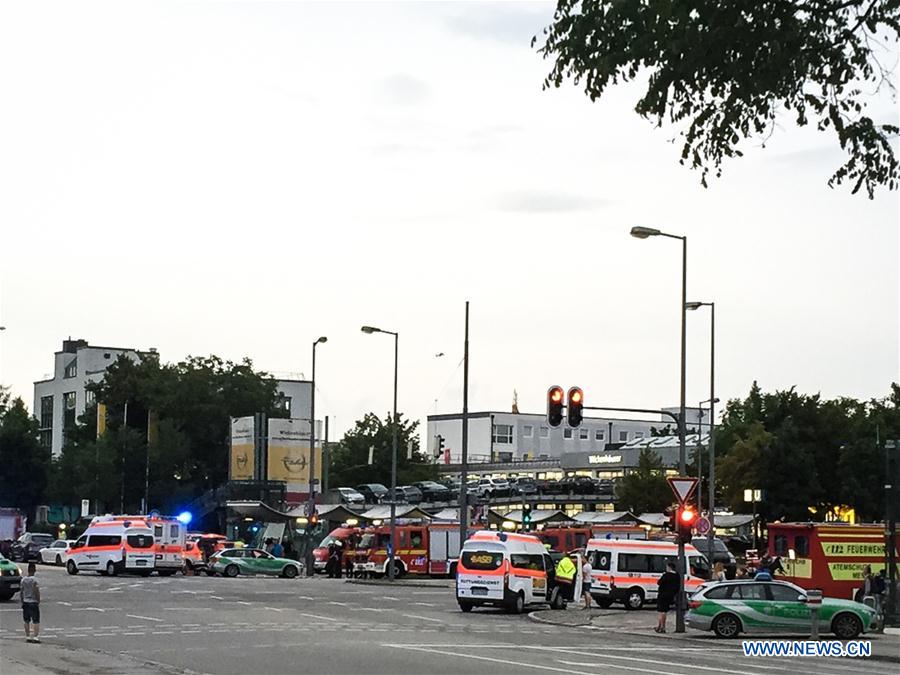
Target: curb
[539, 619]
[397, 584]
[891, 631]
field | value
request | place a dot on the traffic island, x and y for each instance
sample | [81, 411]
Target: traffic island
[405, 582]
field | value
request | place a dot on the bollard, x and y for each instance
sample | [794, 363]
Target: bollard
[814, 602]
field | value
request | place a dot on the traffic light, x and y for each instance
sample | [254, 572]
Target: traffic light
[314, 518]
[526, 517]
[438, 446]
[672, 514]
[576, 406]
[554, 406]
[687, 517]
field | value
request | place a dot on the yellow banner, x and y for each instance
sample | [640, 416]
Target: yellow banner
[288, 457]
[800, 568]
[837, 549]
[101, 419]
[851, 571]
[241, 465]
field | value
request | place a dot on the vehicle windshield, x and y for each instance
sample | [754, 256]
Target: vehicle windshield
[327, 541]
[482, 560]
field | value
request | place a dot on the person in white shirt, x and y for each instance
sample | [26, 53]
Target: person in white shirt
[586, 570]
[31, 605]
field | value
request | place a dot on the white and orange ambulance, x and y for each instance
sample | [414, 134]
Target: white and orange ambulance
[114, 546]
[627, 570]
[503, 570]
[169, 538]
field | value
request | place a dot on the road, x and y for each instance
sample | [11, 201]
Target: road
[267, 625]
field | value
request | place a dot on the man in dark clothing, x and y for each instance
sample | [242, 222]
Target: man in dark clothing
[668, 586]
[775, 565]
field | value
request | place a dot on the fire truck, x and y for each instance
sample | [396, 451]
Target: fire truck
[419, 548]
[828, 556]
[347, 537]
[564, 538]
[168, 540]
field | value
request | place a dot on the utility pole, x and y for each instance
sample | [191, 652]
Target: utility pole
[464, 474]
[124, 455]
[890, 528]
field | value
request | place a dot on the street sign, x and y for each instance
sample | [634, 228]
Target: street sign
[85, 507]
[682, 487]
[702, 525]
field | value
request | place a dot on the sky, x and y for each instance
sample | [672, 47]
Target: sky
[239, 178]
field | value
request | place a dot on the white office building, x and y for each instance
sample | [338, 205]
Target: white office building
[59, 401]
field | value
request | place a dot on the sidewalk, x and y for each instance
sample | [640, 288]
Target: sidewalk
[18, 657]
[406, 582]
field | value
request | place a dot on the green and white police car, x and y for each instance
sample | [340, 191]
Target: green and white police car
[729, 608]
[234, 561]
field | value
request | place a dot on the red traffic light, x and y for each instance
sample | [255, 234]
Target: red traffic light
[576, 406]
[554, 406]
[687, 516]
[556, 394]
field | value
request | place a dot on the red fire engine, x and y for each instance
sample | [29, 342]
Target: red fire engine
[828, 556]
[419, 549]
[565, 538]
[346, 536]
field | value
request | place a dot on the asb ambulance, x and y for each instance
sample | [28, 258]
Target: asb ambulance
[627, 570]
[110, 547]
[504, 570]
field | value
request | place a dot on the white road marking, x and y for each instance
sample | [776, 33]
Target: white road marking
[135, 633]
[691, 666]
[423, 618]
[163, 632]
[427, 650]
[316, 616]
[620, 667]
[216, 597]
[146, 618]
[425, 604]
[243, 602]
[93, 609]
[274, 609]
[67, 604]
[342, 604]
[370, 609]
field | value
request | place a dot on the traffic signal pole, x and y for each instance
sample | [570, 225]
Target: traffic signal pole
[464, 474]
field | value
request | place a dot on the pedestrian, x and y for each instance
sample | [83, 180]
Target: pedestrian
[775, 566]
[270, 544]
[667, 591]
[329, 561]
[289, 551]
[30, 594]
[338, 554]
[586, 571]
[277, 550]
[718, 572]
[565, 577]
[741, 572]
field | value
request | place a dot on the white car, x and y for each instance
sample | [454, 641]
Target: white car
[57, 553]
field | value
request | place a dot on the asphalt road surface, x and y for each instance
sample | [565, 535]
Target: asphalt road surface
[269, 625]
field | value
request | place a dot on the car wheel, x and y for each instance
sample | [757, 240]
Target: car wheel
[557, 601]
[71, 567]
[231, 571]
[604, 603]
[110, 568]
[846, 626]
[517, 606]
[727, 626]
[58, 559]
[289, 571]
[634, 599]
[466, 606]
[399, 570]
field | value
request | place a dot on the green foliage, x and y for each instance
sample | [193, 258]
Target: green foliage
[644, 490]
[25, 464]
[730, 70]
[349, 458]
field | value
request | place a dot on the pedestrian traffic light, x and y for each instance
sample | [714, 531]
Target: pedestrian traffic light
[576, 406]
[526, 517]
[554, 406]
[687, 518]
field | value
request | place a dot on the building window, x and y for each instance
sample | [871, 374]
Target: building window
[623, 437]
[71, 369]
[89, 397]
[46, 437]
[801, 546]
[46, 412]
[545, 432]
[567, 433]
[584, 434]
[68, 409]
[528, 431]
[638, 434]
[502, 434]
[599, 434]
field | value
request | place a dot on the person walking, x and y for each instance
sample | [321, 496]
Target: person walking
[718, 572]
[31, 605]
[668, 586]
[565, 577]
[586, 571]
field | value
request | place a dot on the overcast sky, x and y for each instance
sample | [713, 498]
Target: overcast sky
[240, 178]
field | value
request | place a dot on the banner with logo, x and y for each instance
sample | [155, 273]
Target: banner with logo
[242, 457]
[289, 451]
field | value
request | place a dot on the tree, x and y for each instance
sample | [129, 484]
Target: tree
[25, 462]
[729, 70]
[644, 490]
[350, 458]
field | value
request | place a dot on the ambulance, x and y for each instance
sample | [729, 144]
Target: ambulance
[113, 546]
[627, 570]
[168, 540]
[505, 570]
[829, 557]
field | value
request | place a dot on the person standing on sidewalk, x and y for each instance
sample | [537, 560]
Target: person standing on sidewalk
[31, 605]
[565, 577]
[668, 590]
[586, 571]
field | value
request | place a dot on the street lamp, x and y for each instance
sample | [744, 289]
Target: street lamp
[311, 508]
[643, 233]
[369, 330]
[693, 306]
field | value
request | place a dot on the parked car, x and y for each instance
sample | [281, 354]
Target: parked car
[10, 578]
[548, 486]
[729, 608]
[29, 545]
[433, 492]
[234, 561]
[605, 486]
[405, 494]
[523, 485]
[57, 553]
[720, 554]
[372, 492]
[494, 487]
[345, 495]
[582, 485]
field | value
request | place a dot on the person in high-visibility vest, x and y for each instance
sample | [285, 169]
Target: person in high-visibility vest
[565, 577]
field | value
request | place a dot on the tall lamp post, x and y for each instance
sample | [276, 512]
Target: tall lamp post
[644, 233]
[693, 306]
[311, 508]
[391, 571]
